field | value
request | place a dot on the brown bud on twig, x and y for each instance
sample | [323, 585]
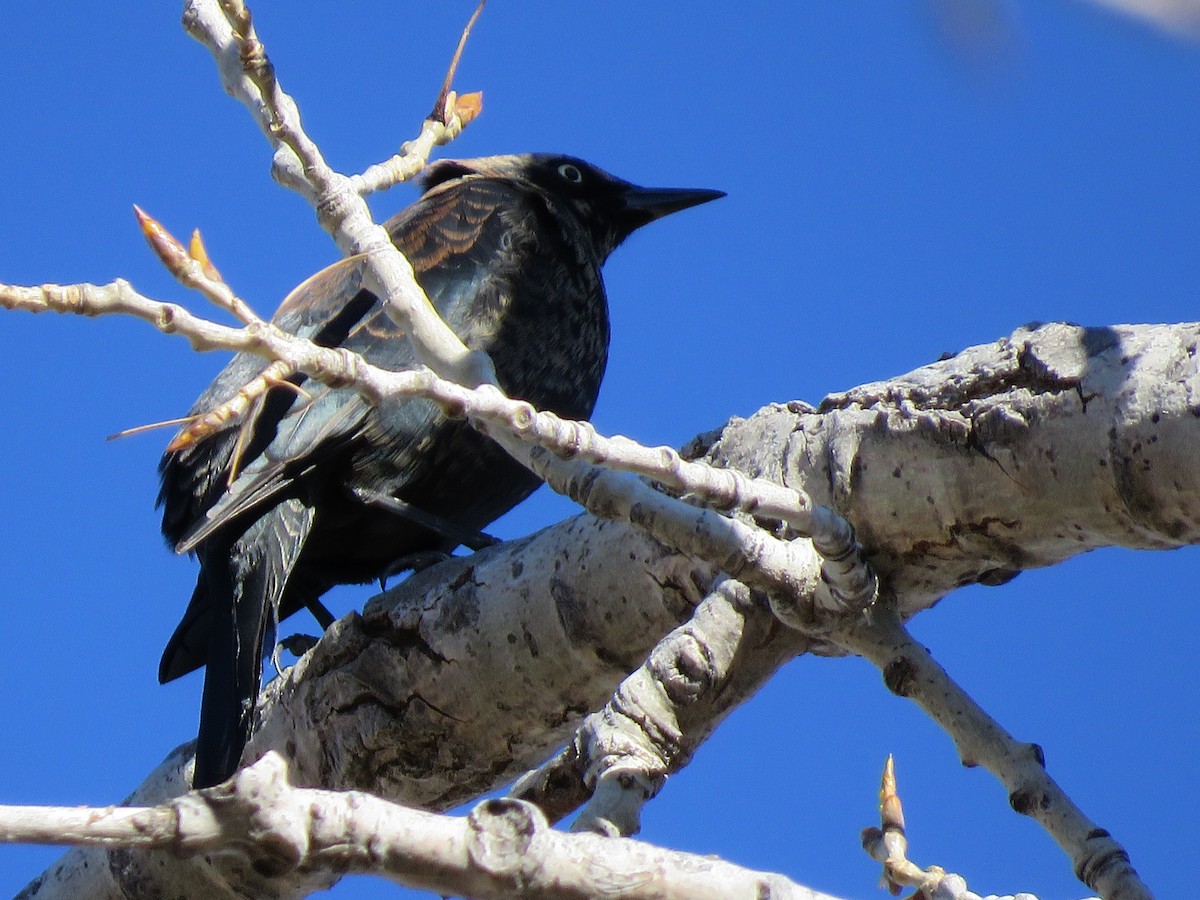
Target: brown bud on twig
[891, 820]
[163, 243]
[198, 252]
[468, 106]
[891, 812]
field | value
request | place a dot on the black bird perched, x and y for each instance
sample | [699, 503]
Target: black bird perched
[509, 250]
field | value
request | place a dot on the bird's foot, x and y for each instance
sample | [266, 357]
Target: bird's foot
[414, 562]
[295, 644]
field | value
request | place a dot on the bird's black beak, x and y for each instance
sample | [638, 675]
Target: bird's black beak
[644, 205]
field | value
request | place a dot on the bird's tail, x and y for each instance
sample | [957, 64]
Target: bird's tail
[245, 581]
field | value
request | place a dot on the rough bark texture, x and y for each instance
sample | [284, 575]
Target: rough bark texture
[1007, 456]
[1021, 453]
[444, 688]
[473, 673]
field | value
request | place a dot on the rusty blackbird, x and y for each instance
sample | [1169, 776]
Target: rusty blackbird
[283, 504]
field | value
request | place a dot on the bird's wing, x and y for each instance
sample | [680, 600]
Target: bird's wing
[453, 237]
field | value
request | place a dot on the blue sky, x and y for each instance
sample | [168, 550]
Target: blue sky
[889, 200]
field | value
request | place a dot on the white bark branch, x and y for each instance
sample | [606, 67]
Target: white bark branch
[909, 670]
[787, 568]
[660, 715]
[504, 847]
[225, 28]
[1008, 456]
[1020, 453]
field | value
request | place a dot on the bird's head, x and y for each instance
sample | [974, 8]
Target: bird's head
[610, 207]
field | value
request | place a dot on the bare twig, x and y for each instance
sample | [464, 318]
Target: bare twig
[727, 490]
[789, 569]
[226, 29]
[451, 114]
[502, 846]
[910, 671]
[443, 107]
[192, 267]
[888, 844]
[343, 213]
[415, 154]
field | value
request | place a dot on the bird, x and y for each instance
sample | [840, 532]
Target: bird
[314, 486]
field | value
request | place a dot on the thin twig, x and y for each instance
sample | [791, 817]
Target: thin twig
[787, 569]
[261, 817]
[910, 671]
[226, 29]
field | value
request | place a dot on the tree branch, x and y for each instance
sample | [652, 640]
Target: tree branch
[503, 847]
[786, 567]
[1011, 455]
[661, 714]
[226, 29]
[909, 670]
[973, 432]
[1006, 457]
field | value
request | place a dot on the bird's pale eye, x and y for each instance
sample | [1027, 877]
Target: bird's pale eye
[570, 173]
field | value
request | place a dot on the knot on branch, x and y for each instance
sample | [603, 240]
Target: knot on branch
[500, 834]
[687, 670]
[253, 813]
[338, 368]
[335, 203]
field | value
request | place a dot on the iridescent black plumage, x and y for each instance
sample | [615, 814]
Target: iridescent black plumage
[509, 250]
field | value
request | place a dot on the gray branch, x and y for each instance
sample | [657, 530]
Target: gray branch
[1011, 455]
